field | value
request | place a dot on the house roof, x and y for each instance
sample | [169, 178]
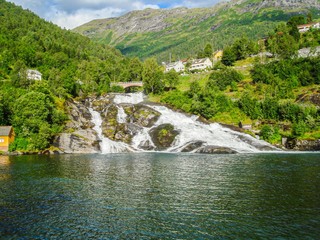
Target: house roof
[5, 130]
[306, 25]
[31, 71]
[172, 64]
[198, 61]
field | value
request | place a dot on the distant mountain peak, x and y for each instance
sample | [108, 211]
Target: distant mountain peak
[180, 30]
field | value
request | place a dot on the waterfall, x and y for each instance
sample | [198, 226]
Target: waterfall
[122, 116]
[132, 98]
[190, 131]
[106, 145]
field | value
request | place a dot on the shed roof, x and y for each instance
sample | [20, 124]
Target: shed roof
[5, 130]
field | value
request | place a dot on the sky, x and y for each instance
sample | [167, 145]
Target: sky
[72, 13]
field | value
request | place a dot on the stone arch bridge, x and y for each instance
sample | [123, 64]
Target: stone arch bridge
[127, 84]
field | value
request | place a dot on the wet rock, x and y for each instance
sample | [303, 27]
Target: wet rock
[147, 145]
[78, 135]
[141, 115]
[84, 142]
[114, 130]
[163, 136]
[260, 145]
[109, 121]
[303, 145]
[216, 150]
[192, 146]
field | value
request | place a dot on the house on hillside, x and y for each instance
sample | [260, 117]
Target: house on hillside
[217, 55]
[177, 66]
[6, 137]
[34, 75]
[200, 64]
[306, 27]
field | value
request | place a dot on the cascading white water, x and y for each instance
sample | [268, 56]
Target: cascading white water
[106, 145]
[122, 116]
[132, 98]
[190, 130]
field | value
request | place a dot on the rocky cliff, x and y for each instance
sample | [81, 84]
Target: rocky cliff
[112, 123]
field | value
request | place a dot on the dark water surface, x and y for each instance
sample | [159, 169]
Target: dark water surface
[160, 196]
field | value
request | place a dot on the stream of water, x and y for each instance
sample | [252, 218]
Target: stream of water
[190, 131]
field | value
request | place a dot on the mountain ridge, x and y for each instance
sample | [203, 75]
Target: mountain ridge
[156, 32]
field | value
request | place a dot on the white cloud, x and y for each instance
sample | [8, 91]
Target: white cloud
[79, 17]
[70, 13]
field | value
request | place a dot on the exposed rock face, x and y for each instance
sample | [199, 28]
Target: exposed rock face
[303, 145]
[163, 136]
[216, 150]
[78, 136]
[259, 145]
[192, 146]
[141, 115]
[121, 127]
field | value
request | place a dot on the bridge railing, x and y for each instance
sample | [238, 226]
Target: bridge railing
[126, 83]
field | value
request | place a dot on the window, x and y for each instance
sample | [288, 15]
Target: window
[1, 140]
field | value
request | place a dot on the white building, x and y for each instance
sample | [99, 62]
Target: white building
[306, 27]
[33, 75]
[177, 66]
[200, 64]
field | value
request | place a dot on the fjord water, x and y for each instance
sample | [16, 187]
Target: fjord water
[160, 196]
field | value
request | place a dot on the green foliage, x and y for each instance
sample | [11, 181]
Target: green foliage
[34, 119]
[171, 78]
[240, 49]
[64, 58]
[229, 56]
[250, 106]
[152, 76]
[290, 72]
[223, 78]
[117, 89]
[270, 134]
[299, 129]
[178, 99]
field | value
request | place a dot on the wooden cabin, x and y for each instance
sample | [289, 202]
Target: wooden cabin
[6, 137]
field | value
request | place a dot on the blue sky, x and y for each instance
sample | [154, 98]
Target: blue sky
[72, 13]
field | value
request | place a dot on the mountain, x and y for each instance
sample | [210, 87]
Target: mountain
[69, 64]
[181, 31]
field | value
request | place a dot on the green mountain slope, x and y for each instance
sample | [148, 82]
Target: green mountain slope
[182, 32]
[29, 42]
[71, 66]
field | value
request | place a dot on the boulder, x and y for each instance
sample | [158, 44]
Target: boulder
[303, 145]
[191, 146]
[147, 145]
[78, 142]
[216, 150]
[141, 115]
[163, 136]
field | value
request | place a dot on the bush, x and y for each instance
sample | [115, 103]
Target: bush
[223, 78]
[299, 129]
[270, 134]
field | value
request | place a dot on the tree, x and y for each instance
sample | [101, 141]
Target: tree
[33, 118]
[152, 76]
[171, 78]
[283, 45]
[208, 50]
[309, 17]
[293, 23]
[229, 56]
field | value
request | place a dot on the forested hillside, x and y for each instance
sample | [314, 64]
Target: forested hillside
[183, 32]
[277, 95]
[71, 65]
